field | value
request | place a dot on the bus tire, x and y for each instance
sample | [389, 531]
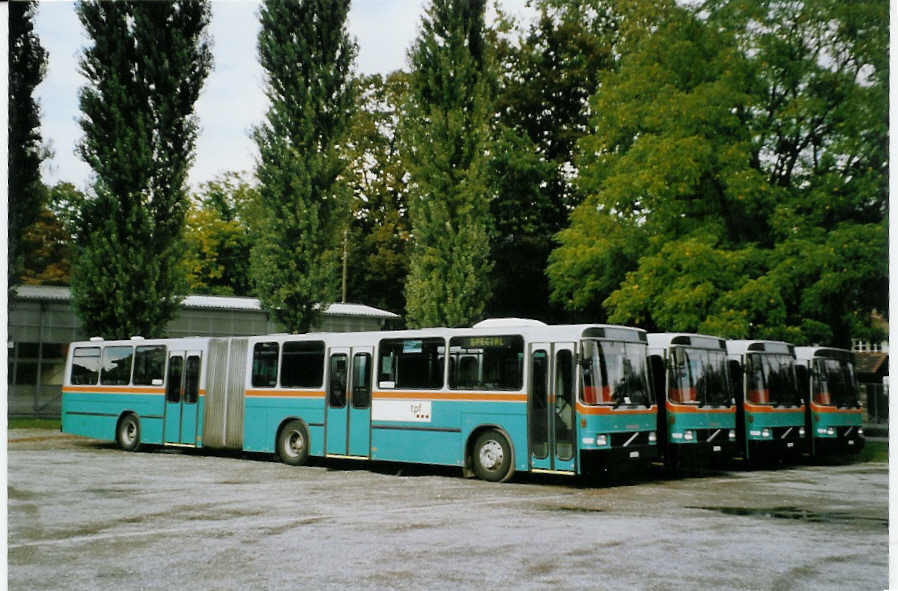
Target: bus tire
[127, 433]
[293, 443]
[492, 456]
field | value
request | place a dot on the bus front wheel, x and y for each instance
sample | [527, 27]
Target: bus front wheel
[492, 456]
[127, 435]
[293, 443]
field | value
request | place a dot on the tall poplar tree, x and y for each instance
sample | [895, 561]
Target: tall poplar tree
[145, 66]
[446, 145]
[27, 65]
[308, 57]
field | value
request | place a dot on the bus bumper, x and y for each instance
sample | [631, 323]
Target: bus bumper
[839, 445]
[596, 459]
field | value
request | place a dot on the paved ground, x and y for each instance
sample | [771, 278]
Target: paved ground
[83, 515]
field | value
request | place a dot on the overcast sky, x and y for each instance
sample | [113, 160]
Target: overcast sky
[232, 100]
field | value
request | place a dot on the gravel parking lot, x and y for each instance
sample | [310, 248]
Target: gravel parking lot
[83, 515]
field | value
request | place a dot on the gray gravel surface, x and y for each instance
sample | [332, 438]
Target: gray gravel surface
[84, 515]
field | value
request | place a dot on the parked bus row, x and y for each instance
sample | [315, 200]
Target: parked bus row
[500, 397]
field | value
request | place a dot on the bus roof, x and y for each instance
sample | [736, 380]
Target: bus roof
[740, 347]
[700, 341]
[562, 332]
[808, 353]
[183, 342]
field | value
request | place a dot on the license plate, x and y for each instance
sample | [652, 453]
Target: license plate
[716, 448]
[634, 454]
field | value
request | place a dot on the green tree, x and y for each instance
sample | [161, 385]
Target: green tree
[48, 242]
[548, 71]
[145, 66]
[308, 57]
[27, 195]
[219, 235]
[748, 171]
[379, 237]
[446, 144]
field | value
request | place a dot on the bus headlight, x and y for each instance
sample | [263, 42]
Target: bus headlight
[601, 440]
[689, 435]
[653, 437]
[830, 431]
[801, 432]
[860, 431]
[732, 435]
[765, 433]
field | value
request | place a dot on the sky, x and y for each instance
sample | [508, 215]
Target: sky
[232, 100]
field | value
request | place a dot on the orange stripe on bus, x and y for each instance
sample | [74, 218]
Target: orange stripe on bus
[266, 393]
[829, 409]
[114, 389]
[607, 410]
[761, 408]
[466, 396]
[691, 408]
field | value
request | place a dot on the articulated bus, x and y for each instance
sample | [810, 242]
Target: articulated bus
[696, 403]
[770, 410]
[834, 415]
[494, 399]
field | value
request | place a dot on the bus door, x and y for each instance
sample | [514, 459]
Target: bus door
[551, 412]
[349, 401]
[359, 441]
[182, 397]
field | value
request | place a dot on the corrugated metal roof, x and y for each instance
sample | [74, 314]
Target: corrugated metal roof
[64, 294]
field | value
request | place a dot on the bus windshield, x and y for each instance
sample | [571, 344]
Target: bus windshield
[699, 376]
[614, 373]
[835, 384]
[771, 380]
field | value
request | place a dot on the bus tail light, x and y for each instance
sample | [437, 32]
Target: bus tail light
[601, 440]
[653, 437]
[830, 431]
[689, 435]
[860, 431]
[732, 435]
[801, 432]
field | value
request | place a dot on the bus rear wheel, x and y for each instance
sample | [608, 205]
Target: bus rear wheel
[492, 456]
[293, 443]
[127, 434]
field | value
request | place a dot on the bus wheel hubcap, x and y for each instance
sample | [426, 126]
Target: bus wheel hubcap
[295, 443]
[130, 431]
[491, 455]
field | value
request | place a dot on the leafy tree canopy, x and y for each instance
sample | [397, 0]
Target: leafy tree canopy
[27, 194]
[145, 66]
[219, 234]
[741, 146]
[308, 58]
[445, 146]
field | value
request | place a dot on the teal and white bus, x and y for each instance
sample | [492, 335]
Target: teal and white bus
[770, 410]
[500, 397]
[834, 418]
[696, 402]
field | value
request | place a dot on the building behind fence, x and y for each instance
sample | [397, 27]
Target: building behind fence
[42, 323]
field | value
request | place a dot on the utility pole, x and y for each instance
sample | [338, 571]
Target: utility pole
[345, 257]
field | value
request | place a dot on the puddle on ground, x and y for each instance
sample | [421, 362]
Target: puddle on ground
[571, 508]
[798, 514]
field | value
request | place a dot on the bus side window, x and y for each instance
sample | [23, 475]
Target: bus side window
[116, 370]
[192, 381]
[361, 380]
[149, 365]
[265, 365]
[302, 364]
[386, 377]
[85, 366]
